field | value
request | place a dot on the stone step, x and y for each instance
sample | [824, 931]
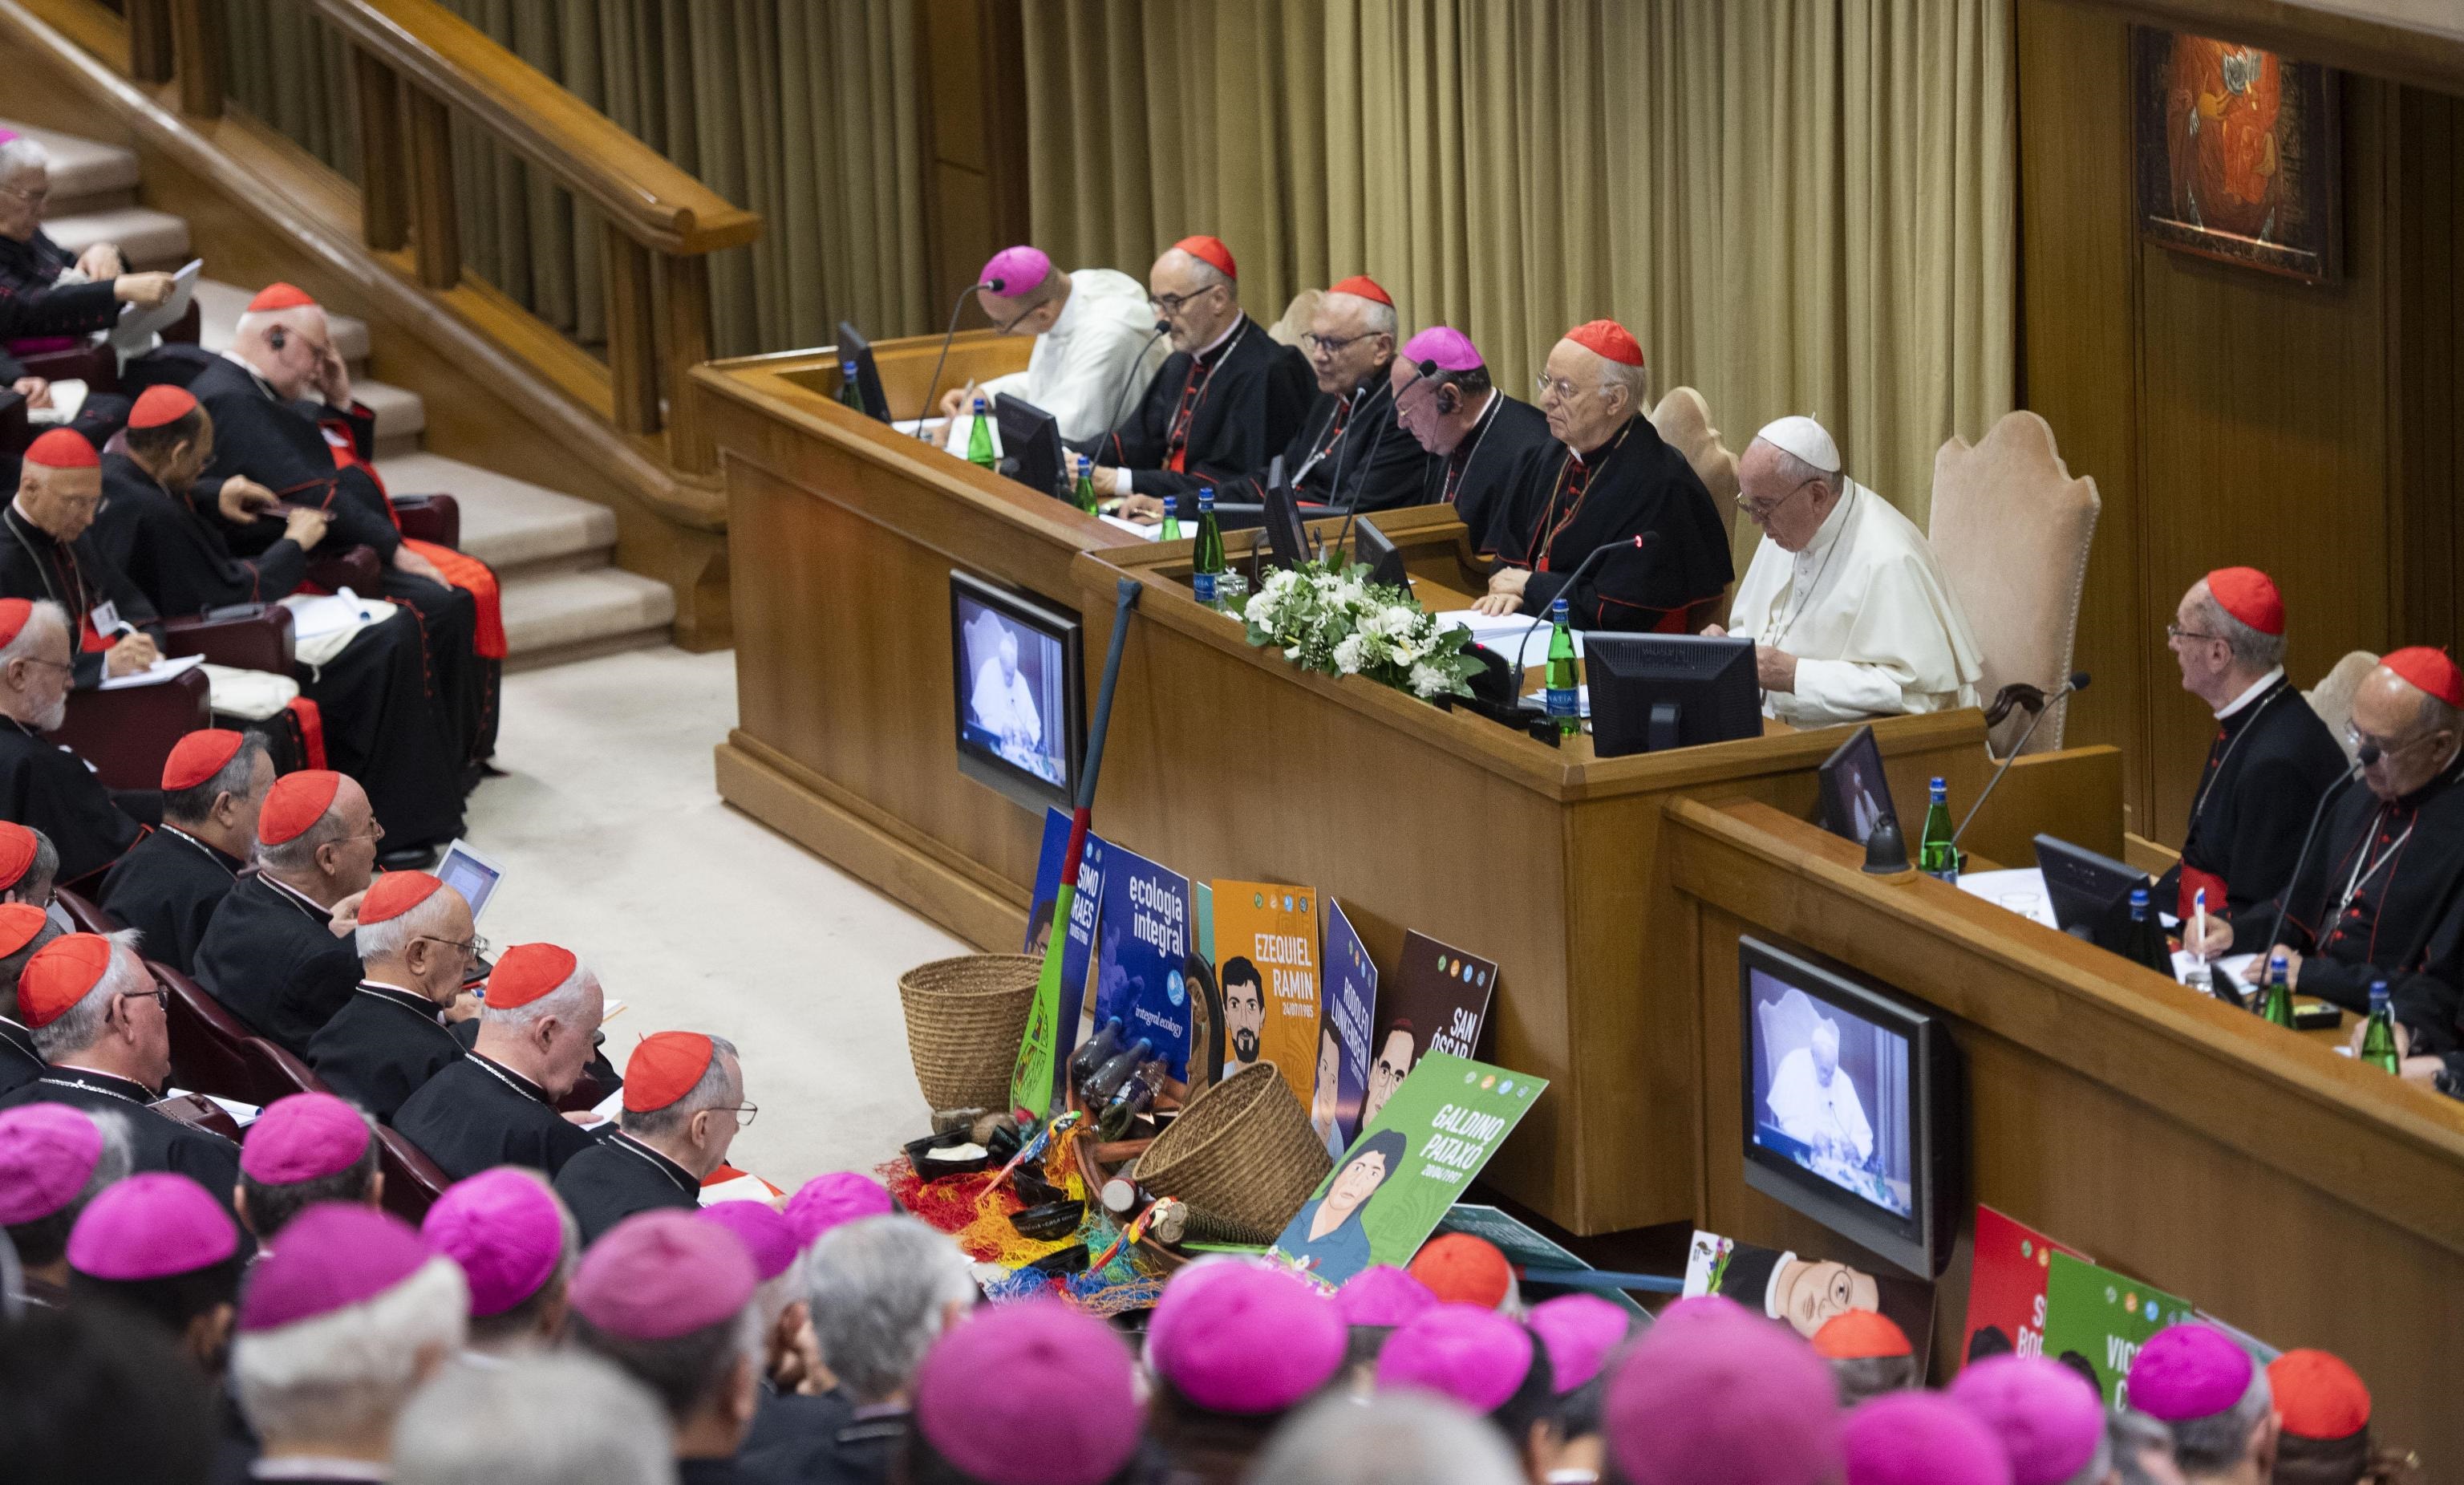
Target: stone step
[148, 239]
[400, 414]
[566, 616]
[518, 528]
[86, 174]
[218, 310]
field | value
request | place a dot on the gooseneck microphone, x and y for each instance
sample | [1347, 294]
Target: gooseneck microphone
[1121, 403]
[1352, 508]
[2363, 756]
[947, 336]
[1638, 542]
[2077, 682]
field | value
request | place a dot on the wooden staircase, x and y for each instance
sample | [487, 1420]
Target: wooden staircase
[586, 481]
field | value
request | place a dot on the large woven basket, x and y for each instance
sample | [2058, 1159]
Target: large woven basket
[1241, 1155]
[965, 1018]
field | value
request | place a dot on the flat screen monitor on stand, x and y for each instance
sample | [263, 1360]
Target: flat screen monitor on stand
[1654, 691]
[1374, 550]
[1031, 441]
[855, 365]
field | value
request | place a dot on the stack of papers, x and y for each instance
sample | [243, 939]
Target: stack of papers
[134, 334]
[154, 675]
[1506, 635]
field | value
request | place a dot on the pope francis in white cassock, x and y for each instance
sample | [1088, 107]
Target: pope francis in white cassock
[1846, 606]
[1815, 1103]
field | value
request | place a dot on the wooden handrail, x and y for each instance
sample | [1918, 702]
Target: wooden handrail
[643, 195]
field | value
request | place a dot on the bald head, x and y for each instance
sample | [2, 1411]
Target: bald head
[1195, 297]
[334, 857]
[285, 347]
[2415, 733]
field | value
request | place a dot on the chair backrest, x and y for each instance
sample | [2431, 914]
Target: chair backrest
[1297, 315]
[2011, 527]
[2332, 698]
[209, 1044]
[126, 734]
[412, 1182]
[1683, 420]
[85, 914]
[275, 1073]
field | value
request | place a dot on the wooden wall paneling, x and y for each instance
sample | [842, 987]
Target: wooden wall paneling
[2423, 344]
[2078, 269]
[975, 127]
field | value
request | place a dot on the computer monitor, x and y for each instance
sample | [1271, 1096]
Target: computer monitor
[1286, 540]
[469, 872]
[2090, 895]
[1654, 691]
[1376, 550]
[1856, 794]
[1852, 1104]
[1031, 441]
[1018, 669]
[856, 368]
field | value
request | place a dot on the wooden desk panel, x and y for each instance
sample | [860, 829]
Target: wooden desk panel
[2304, 1197]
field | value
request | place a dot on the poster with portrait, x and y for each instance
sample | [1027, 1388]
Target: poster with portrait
[1266, 971]
[2097, 1320]
[1434, 1001]
[2006, 1287]
[1078, 946]
[2241, 153]
[1804, 1291]
[1142, 946]
[1408, 1169]
[1343, 1050]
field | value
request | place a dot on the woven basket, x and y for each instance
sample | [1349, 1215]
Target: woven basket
[964, 1019]
[1241, 1155]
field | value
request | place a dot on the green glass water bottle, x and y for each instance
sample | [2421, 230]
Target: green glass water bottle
[1084, 494]
[1171, 531]
[1565, 702]
[979, 439]
[1207, 567]
[850, 394]
[2278, 1008]
[2378, 1033]
[1935, 855]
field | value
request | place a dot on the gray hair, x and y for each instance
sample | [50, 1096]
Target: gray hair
[714, 1090]
[39, 871]
[1374, 318]
[1203, 273]
[192, 805]
[298, 853]
[2129, 1434]
[877, 1289]
[81, 1025]
[23, 154]
[2217, 1442]
[563, 1003]
[391, 938]
[556, 1418]
[14, 966]
[22, 647]
[350, 1370]
[2251, 649]
[1636, 380]
[1394, 1438]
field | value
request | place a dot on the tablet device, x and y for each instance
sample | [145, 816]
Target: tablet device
[469, 872]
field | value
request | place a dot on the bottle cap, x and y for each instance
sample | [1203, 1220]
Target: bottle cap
[1205, 494]
[1937, 780]
[1557, 608]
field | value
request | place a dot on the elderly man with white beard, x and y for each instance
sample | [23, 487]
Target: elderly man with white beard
[43, 786]
[1844, 601]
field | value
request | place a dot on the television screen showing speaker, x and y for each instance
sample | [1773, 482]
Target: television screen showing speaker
[1016, 664]
[1851, 1111]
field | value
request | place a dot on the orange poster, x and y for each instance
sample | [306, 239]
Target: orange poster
[1266, 957]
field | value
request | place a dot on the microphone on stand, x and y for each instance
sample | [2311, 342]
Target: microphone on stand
[1638, 542]
[934, 386]
[2364, 756]
[2077, 682]
[1352, 508]
[1120, 404]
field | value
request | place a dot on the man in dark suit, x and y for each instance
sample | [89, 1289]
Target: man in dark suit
[684, 1094]
[1226, 401]
[416, 943]
[101, 1024]
[169, 884]
[24, 929]
[276, 952]
[43, 785]
[497, 1106]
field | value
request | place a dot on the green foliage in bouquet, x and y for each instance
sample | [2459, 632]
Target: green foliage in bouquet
[1327, 616]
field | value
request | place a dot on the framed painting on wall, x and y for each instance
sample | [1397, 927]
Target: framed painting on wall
[2240, 154]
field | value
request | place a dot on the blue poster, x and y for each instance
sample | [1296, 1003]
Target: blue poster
[1343, 1033]
[1077, 950]
[1144, 931]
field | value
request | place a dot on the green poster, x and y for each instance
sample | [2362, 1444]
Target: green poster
[1411, 1164]
[2100, 1318]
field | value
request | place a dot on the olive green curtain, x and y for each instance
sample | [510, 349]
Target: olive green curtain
[1798, 206]
[804, 112]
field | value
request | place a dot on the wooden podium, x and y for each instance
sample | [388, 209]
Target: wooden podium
[1224, 761]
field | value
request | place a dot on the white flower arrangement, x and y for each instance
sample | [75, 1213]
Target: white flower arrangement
[1328, 617]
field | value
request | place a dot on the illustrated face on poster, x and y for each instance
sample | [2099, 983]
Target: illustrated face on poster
[1244, 1013]
[1394, 1064]
[1387, 1193]
[1325, 1100]
[1351, 1013]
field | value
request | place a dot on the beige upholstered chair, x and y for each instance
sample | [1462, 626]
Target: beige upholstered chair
[2011, 527]
[1297, 314]
[2332, 698]
[1683, 419]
